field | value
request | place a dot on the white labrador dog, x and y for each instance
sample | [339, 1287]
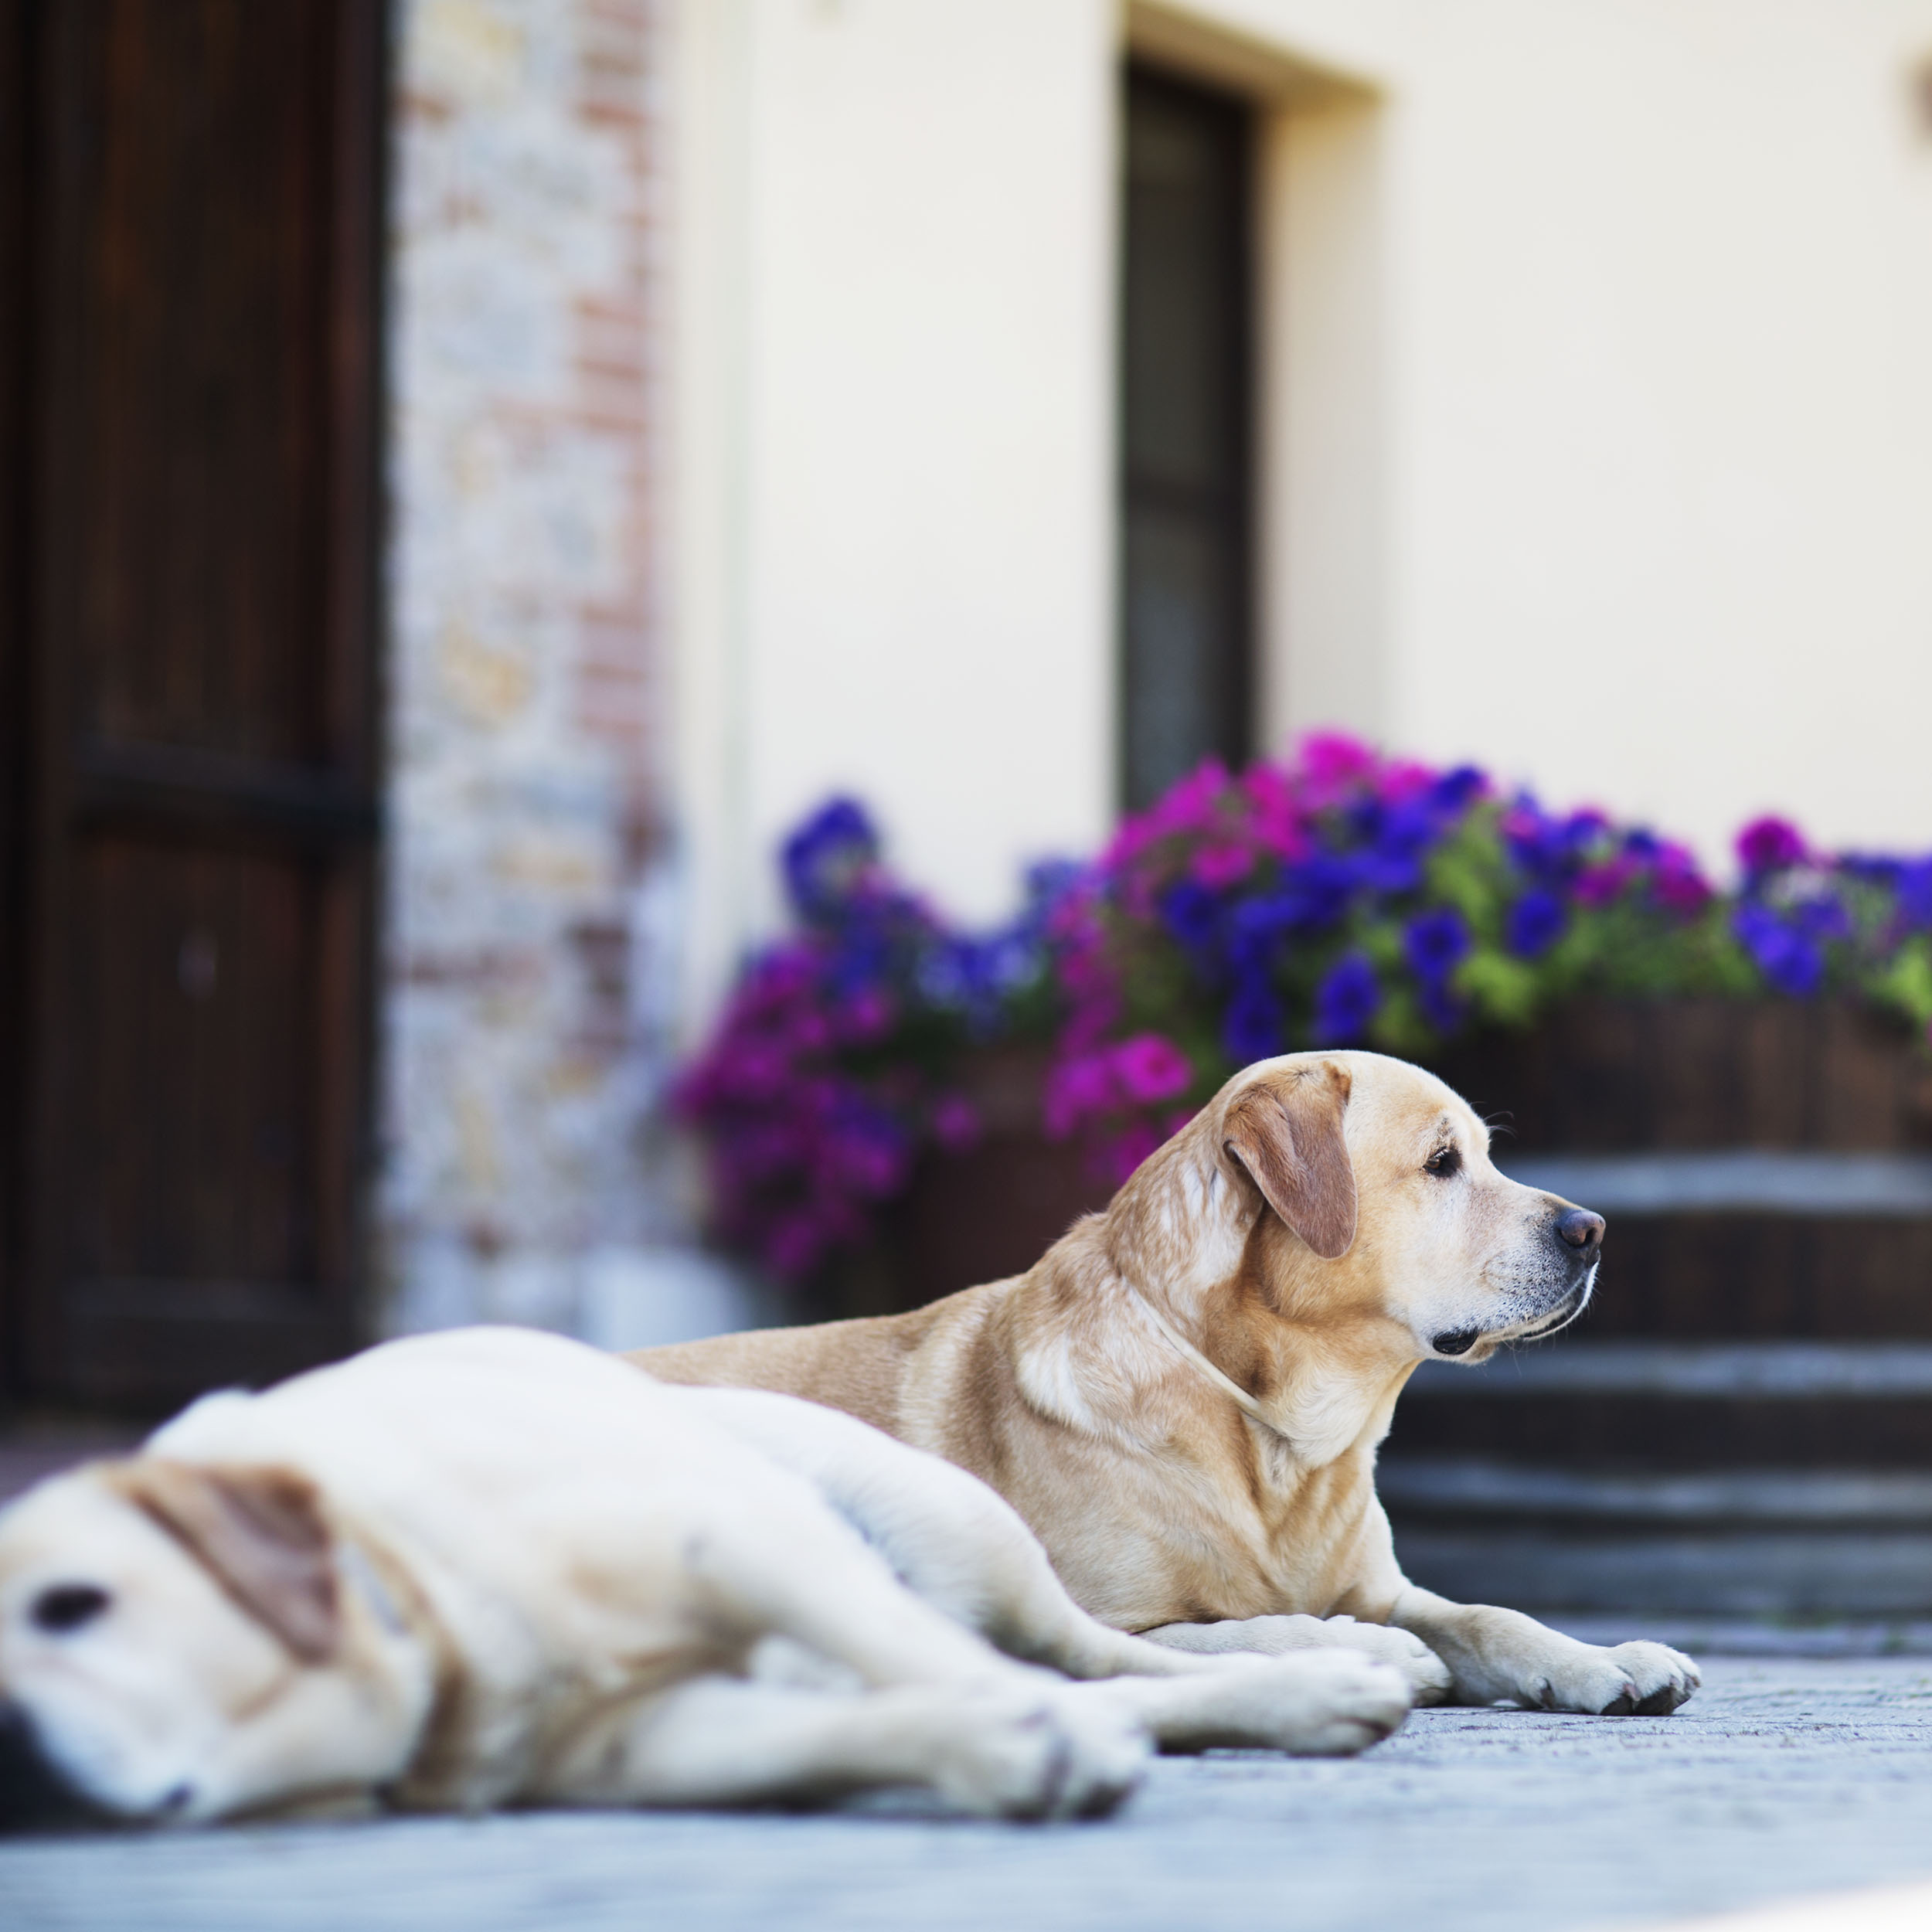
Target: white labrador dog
[494, 1567]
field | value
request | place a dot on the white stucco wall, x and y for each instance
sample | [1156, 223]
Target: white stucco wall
[895, 436]
[1598, 410]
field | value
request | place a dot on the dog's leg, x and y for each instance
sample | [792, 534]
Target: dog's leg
[962, 1548]
[1500, 1656]
[1003, 1752]
[1329, 1703]
[1428, 1676]
[792, 1568]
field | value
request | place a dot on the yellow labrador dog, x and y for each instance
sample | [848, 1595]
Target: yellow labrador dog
[1185, 1396]
[495, 1567]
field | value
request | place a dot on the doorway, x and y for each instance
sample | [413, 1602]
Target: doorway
[191, 205]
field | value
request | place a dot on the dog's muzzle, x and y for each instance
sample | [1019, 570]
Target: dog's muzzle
[35, 1794]
[1579, 1236]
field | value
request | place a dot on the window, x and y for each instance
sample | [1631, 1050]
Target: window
[1186, 394]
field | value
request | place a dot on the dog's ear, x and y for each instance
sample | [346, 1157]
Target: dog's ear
[259, 1532]
[1286, 1130]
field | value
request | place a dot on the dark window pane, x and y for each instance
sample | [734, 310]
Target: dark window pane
[1185, 401]
[1175, 596]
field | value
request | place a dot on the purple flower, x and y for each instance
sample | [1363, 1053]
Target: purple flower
[1598, 885]
[1440, 1006]
[1347, 1000]
[1915, 893]
[1318, 890]
[1189, 912]
[1151, 1067]
[1537, 921]
[1251, 1029]
[1679, 883]
[1435, 942]
[1791, 961]
[1822, 917]
[828, 856]
[1455, 790]
[1769, 845]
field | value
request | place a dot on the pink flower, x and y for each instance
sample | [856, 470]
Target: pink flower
[1331, 764]
[1151, 1067]
[1769, 845]
[1076, 1088]
[1276, 820]
[1402, 779]
[1218, 867]
[1193, 805]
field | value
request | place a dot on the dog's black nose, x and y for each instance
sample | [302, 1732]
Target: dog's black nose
[1578, 1228]
[33, 1792]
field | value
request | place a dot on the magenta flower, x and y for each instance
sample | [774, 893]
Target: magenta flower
[1150, 1067]
[1076, 1089]
[1598, 885]
[1402, 779]
[1331, 764]
[1680, 883]
[1218, 867]
[1275, 818]
[1769, 845]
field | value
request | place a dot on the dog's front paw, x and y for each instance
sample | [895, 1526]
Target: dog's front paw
[1325, 1703]
[1430, 1680]
[1045, 1757]
[1659, 1679]
[1635, 1679]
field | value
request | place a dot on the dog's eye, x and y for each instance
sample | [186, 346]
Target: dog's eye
[1445, 1161]
[65, 1607]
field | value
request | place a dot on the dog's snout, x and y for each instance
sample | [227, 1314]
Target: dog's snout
[34, 1793]
[1578, 1228]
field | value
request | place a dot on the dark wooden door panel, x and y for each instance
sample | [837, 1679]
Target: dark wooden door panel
[189, 262]
[194, 642]
[199, 966]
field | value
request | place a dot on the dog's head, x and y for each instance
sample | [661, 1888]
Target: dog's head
[178, 1643]
[1378, 1202]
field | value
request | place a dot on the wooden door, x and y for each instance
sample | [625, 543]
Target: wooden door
[194, 190]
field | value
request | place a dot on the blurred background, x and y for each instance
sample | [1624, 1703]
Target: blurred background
[474, 473]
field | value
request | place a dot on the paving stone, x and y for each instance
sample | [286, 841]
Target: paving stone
[1785, 1776]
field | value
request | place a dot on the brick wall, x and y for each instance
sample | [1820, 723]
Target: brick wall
[522, 1052]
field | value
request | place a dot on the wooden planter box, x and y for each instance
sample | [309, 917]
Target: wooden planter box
[1598, 1078]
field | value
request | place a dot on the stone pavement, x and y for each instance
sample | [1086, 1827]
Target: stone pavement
[1786, 1775]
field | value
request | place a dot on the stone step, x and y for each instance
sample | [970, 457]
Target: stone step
[1724, 1370]
[1481, 1491]
[1784, 1576]
[1673, 1404]
[1762, 1542]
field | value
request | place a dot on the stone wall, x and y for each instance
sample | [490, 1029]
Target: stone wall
[525, 967]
